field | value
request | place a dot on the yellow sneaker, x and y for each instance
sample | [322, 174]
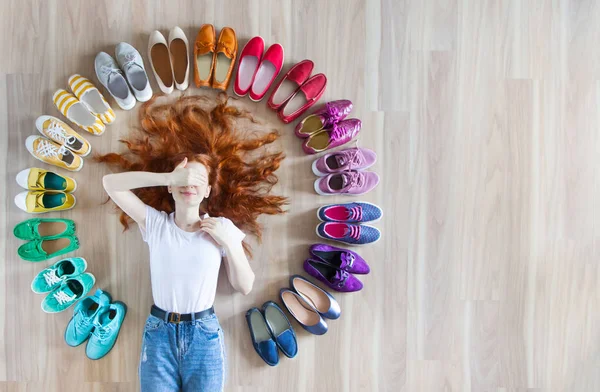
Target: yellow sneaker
[37, 202]
[49, 152]
[61, 133]
[36, 179]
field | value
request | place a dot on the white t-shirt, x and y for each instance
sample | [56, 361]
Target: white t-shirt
[184, 266]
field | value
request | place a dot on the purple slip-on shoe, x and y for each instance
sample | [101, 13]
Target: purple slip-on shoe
[348, 182]
[325, 117]
[355, 158]
[334, 278]
[337, 135]
[341, 258]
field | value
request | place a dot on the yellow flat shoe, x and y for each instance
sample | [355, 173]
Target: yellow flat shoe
[36, 179]
[37, 202]
[61, 133]
[54, 154]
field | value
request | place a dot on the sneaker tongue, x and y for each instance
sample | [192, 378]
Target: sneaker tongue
[340, 159]
[68, 291]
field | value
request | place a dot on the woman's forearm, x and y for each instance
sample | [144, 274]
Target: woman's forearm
[239, 271]
[133, 180]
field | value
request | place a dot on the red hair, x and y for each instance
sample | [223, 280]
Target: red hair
[241, 172]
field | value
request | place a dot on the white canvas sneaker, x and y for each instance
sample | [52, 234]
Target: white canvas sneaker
[132, 64]
[113, 79]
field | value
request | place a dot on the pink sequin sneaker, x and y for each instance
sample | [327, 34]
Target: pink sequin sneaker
[331, 113]
[339, 134]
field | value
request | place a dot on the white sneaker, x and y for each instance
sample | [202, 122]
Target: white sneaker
[113, 79]
[132, 64]
[160, 60]
[180, 59]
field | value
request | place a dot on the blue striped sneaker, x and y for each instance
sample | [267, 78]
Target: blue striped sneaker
[358, 212]
[348, 233]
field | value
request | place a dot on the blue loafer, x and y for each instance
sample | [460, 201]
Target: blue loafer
[322, 301]
[262, 340]
[304, 312]
[280, 329]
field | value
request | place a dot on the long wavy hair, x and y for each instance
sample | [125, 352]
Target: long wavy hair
[212, 132]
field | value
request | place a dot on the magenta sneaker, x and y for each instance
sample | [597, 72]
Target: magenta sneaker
[338, 134]
[347, 182]
[349, 159]
[334, 278]
[344, 259]
[330, 114]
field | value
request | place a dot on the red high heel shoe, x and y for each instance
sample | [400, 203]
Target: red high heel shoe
[307, 95]
[288, 85]
[269, 68]
[250, 58]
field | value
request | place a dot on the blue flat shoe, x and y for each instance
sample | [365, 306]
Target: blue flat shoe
[322, 301]
[280, 329]
[262, 340]
[304, 312]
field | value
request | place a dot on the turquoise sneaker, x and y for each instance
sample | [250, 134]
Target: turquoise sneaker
[82, 323]
[107, 325]
[50, 278]
[69, 292]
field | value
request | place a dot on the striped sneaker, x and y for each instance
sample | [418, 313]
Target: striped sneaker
[77, 112]
[91, 97]
[51, 153]
[61, 133]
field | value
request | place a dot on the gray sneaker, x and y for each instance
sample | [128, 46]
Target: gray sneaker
[132, 64]
[113, 79]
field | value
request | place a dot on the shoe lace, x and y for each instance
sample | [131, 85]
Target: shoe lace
[102, 332]
[63, 298]
[108, 71]
[129, 61]
[337, 132]
[353, 158]
[82, 322]
[56, 131]
[356, 179]
[51, 278]
[353, 231]
[356, 213]
[47, 149]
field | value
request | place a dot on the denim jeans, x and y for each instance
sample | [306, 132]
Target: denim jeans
[189, 356]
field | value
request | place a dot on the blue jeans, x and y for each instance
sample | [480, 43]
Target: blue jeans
[189, 356]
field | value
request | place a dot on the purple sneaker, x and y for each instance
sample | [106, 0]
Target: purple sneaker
[348, 233]
[349, 159]
[341, 258]
[337, 135]
[334, 278]
[348, 182]
[330, 114]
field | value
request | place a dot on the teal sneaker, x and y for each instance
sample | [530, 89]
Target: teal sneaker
[70, 291]
[82, 323]
[50, 278]
[107, 325]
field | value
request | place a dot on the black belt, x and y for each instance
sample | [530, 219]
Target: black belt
[176, 318]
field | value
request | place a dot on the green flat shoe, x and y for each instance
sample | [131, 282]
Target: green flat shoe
[44, 228]
[50, 278]
[42, 249]
[69, 292]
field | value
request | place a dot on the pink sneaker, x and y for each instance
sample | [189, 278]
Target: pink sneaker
[331, 113]
[348, 182]
[349, 159]
[339, 134]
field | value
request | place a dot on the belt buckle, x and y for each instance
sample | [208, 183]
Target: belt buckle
[175, 318]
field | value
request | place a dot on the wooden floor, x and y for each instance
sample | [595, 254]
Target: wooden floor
[485, 116]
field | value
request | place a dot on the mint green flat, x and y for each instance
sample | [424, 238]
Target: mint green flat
[50, 278]
[69, 292]
[43, 249]
[44, 228]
